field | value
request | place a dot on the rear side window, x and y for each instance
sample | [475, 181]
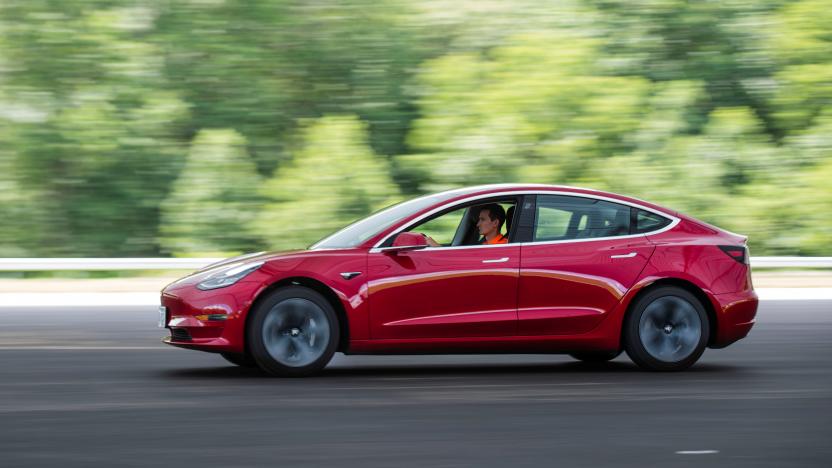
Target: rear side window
[561, 217]
[647, 222]
[552, 222]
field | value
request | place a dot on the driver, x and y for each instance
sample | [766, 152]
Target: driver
[489, 222]
[491, 219]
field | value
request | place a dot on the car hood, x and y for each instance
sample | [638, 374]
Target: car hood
[295, 256]
[251, 257]
[204, 272]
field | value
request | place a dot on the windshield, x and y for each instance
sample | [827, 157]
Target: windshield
[358, 232]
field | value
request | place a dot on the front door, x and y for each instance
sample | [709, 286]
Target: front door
[444, 292]
[450, 290]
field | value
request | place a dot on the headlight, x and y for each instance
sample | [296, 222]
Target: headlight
[228, 277]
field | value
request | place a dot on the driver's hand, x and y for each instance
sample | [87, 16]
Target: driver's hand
[431, 242]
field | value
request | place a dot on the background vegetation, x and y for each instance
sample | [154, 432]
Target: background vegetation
[207, 127]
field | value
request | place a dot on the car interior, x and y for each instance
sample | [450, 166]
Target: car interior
[458, 227]
[590, 221]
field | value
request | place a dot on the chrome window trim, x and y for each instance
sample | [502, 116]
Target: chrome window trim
[674, 220]
[628, 236]
[456, 247]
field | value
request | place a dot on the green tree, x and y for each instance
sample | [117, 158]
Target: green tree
[703, 174]
[334, 179]
[260, 66]
[786, 212]
[802, 47]
[537, 108]
[721, 109]
[95, 127]
[214, 199]
[19, 233]
[718, 44]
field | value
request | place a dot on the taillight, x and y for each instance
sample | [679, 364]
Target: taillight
[737, 252]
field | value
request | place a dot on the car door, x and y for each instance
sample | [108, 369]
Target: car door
[444, 292]
[579, 263]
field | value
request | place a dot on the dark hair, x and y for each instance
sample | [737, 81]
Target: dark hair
[495, 211]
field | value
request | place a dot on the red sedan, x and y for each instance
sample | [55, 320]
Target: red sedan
[499, 268]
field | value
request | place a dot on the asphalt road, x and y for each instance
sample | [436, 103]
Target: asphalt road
[96, 388]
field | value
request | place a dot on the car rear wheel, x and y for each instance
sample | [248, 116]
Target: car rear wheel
[294, 332]
[667, 330]
[242, 360]
[595, 356]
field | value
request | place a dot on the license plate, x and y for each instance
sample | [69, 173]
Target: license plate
[163, 316]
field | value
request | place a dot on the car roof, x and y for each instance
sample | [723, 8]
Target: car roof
[517, 187]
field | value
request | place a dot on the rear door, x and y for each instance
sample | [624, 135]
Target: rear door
[581, 260]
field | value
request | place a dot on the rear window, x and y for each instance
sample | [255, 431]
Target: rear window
[561, 217]
[647, 222]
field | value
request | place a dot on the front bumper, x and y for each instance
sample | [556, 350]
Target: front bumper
[208, 320]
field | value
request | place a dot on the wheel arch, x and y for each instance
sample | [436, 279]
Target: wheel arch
[689, 286]
[315, 285]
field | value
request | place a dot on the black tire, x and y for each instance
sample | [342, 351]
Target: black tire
[667, 329]
[242, 360]
[595, 356]
[293, 332]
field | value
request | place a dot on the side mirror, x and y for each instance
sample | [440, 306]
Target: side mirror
[408, 241]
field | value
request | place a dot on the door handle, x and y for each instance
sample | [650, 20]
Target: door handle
[629, 255]
[496, 260]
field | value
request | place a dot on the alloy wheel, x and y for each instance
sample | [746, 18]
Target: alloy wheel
[296, 332]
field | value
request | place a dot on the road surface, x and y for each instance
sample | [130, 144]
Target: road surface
[94, 387]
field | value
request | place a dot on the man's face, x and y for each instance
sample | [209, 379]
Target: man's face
[485, 224]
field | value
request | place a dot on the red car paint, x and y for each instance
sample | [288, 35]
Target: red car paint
[525, 297]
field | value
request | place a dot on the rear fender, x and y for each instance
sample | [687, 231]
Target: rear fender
[679, 279]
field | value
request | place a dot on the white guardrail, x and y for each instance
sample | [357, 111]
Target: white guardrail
[114, 264]
[117, 264]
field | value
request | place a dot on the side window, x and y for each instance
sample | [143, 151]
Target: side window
[442, 228]
[561, 217]
[552, 223]
[459, 226]
[647, 222]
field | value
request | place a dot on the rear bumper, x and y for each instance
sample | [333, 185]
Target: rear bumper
[736, 314]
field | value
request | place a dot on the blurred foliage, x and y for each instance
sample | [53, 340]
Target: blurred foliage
[335, 177]
[208, 127]
[215, 198]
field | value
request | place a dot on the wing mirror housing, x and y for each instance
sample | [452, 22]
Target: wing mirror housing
[408, 241]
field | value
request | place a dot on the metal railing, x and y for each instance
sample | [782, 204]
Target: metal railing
[94, 264]
[119, 264]
[791, 262]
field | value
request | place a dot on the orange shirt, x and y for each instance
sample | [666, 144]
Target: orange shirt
[498, 239]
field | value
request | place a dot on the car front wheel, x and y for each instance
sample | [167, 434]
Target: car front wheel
[667, 330]
[294, 332]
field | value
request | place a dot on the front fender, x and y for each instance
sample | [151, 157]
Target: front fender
[325, 271]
